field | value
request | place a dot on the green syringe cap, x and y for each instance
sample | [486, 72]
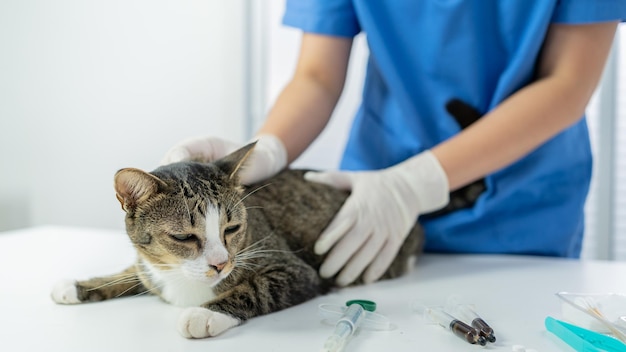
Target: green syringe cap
[369, 306]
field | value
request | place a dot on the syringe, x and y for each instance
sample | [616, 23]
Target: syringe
[465, 312]
[351, 317]
[457, 327]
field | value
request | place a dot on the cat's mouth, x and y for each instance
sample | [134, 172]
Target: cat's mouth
[214, 275]
[206, 273]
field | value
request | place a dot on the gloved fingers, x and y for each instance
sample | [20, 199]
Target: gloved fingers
[256, 168]
[337, 179]
[335, 230]
[361, 260]
[347, 246]
[268, 158]
[199, 148]
[175, 154]
[343, 221]
[382, 261]
[211, 148]
[192, 148]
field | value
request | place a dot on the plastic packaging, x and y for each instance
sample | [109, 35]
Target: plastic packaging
[466, 313]
[603, 313]
[437, 315]
[356, 314]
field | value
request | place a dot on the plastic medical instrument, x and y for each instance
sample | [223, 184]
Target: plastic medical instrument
[466, 313]
[356, 314]
[601, 312]
[581, 339]
[458, 328]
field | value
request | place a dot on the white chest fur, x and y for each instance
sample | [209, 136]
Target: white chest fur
[179, 290]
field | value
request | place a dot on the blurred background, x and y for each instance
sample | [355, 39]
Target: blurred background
[89, 87]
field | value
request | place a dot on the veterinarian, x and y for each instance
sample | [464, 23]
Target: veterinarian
[529, 67]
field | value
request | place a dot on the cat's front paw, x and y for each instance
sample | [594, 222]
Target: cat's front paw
[64, 292]
[197, 323]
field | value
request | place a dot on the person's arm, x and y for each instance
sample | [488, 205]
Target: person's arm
[305, 105]
[298, 116]
[371, 226]
[569, 68]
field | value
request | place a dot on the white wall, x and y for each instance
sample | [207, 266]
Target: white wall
[88, 87]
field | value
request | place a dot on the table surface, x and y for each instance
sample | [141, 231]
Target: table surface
[513, 294]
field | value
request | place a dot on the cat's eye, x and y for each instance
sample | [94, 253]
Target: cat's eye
[231, 229]
[183, 237]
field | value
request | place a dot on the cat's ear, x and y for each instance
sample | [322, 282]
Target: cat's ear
[231, 164]
[133, 187]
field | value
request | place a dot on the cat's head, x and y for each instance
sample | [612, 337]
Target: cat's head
[186, 218]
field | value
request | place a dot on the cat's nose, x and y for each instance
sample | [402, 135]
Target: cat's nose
[218, 267]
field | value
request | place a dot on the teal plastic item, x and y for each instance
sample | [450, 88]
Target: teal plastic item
[583, 340]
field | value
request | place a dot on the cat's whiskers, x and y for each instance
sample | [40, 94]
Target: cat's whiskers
[131, 288]
[269, 251]
[246, 266]
[123, 279]
[249, 194]
[158, 286]
[155, 287]
[254, 244]
[255, 248]
[163, 265]
[260, 253]
[244, 258]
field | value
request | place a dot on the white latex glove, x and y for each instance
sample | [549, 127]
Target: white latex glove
[267, 159]
[374, 221]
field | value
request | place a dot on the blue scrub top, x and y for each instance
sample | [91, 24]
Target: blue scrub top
[424, 53]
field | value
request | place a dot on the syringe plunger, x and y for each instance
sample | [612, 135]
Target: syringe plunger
[459, 328]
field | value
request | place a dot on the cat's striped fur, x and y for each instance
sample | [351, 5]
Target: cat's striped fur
[232, 253]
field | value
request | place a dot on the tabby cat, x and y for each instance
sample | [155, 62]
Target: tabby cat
[228, 252]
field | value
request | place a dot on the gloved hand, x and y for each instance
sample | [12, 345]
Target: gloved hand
[378, 215]
[268, 157]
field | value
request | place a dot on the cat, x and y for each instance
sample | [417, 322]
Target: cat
[227, 252]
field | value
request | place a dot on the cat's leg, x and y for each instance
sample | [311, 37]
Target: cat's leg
[274, 288]
[199, 322]
[126, 283]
